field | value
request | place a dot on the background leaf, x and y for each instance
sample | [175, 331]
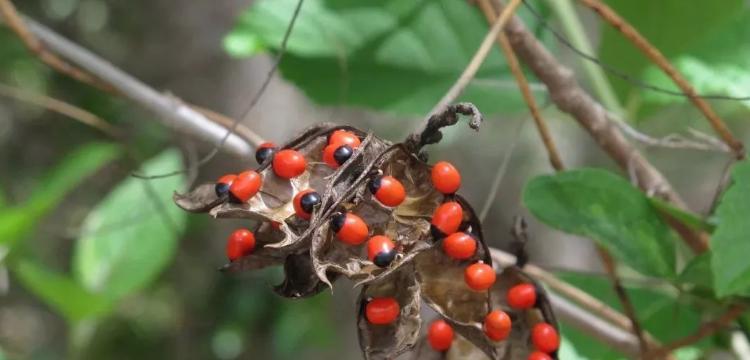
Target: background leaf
[730, 244]
[606, 208]
[18, 221]
[672, 26]
[393, 56]
[59, 291]
[131, 235]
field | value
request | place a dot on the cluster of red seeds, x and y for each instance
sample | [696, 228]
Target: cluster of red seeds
[381, 250]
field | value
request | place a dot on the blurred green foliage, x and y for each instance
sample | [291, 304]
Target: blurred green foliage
[394, 56]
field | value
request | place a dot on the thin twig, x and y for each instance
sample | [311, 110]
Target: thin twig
[651, 52]
[702, 141]
[476, 62]
[705, 330]
[557, 164]
[523, 85]
[622, 295]
[585, 53]
[15, 23]
[61, 107]
[500, 174]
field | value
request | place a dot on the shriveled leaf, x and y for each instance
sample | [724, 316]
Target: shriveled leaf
[200, 199]
[518, 345]
[60, 292]
[729, 244]
[132, 233]
[263, 256]
[389, 341]
[609, 210]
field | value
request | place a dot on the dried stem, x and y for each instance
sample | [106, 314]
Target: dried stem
[705, 330]
[569, 97]
[630, 33]
[171, 111]
[15, 23]
[61, 107]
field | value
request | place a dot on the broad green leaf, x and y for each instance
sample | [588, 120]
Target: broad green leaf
[717, 65]
[673, 26]
[606, 208]
[17, 222]
[568, 351]
[131, 235]
[303, 325]
[692, 220]
[730, 243]
[658, 311]
[697, 273]
[59, 291]
[392, 55]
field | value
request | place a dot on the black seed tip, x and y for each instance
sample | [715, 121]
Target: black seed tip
[384, 258]
[308, 201]
[436, 233]
[374, 184]
[337, 221]
[234, 199]
[262, 154]
[221, 189]
[342, 154]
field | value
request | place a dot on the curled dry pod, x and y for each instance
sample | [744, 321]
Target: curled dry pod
[388, 341]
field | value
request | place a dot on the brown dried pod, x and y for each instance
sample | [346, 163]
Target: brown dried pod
[313, 257]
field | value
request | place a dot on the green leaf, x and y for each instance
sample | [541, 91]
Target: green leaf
[672, 26]
[606, 208]
[302, 325]
[729, 244]
[697, 273]
[392, 55]
[717, 65]
[659, 313]
[59, 291]
[568, 351]
[688, 218]
[131, 235]
[17, 222]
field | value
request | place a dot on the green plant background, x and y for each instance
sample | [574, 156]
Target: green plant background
[102, 265]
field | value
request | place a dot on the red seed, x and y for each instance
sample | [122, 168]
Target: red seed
[335, 155]
[289, 163]
[381, 250]
[264, 151]
[440, 335]
[538, 355]
[349, 228]
[545, 337]
[341, 137]
[382, 311]
[304, 203]
[460, 246]
[445, 177]
[447, 218]
[222, 185]
[479, 276]
[246, 185]
[497, 325]
[522, 296]
[240, 243]
[388, 190]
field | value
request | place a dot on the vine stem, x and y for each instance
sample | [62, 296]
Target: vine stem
[653, 54]
[571, 24]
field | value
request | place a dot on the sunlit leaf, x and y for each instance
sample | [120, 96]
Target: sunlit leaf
[609, 210]
[394, 56]
[60, 291]
[729, 244]
[131, 234]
